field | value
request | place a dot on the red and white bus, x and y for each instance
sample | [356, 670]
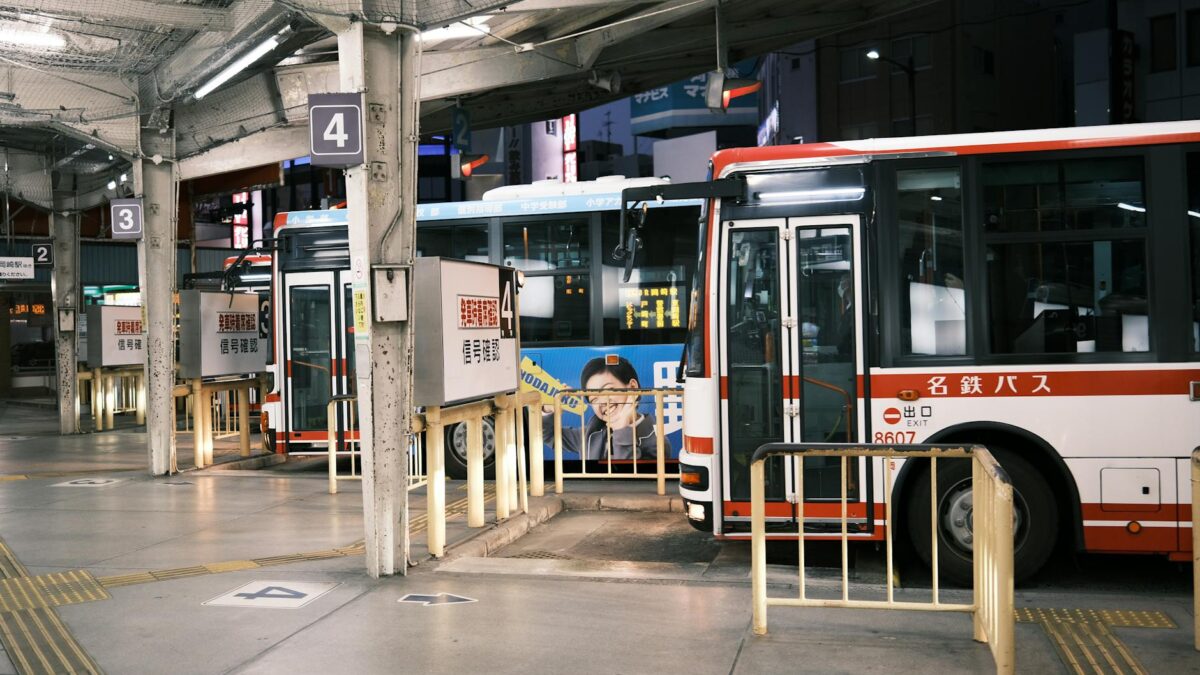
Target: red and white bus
[1034, 291]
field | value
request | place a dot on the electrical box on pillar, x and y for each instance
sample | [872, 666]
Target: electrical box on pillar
[466, 346]
[390, 286]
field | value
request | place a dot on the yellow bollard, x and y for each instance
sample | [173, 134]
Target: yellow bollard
[474, 472]
[658, 432]
[140, 384]
[500, 462]
[435, 485]
[537, 473]
[98, 399]
[558, 460]
[522, 481]
[758, 548]
[110, 399]
[198, 421]
[243, 399]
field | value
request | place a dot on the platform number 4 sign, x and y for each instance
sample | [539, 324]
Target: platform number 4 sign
[43, 254]
[335, 129]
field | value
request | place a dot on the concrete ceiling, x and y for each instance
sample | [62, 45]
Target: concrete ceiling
[108, 68]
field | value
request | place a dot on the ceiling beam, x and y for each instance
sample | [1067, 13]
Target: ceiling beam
[130, 12]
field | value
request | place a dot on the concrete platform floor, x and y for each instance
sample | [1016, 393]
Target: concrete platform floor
[589, 590]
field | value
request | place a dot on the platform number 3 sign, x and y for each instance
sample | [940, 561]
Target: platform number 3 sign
[126, 217]
[335, 129]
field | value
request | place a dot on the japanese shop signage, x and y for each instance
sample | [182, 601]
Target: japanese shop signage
[218, 334]
[115, 336]
[466, 345]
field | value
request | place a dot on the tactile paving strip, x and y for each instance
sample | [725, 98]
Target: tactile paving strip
[1085, 640]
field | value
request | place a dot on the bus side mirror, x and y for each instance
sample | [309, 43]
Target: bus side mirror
[632, 243]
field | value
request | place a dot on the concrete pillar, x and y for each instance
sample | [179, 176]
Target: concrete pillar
[381, 198]
[64, 285]
[156, 184]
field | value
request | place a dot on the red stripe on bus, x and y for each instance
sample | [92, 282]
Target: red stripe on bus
[776, 509]
[318, 436]
[1103, 539]
[273, 397]
[1034, 383]
[1157, 513]
[724, 158]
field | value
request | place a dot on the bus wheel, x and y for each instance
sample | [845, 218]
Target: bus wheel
[1035, 521]
[456, 449]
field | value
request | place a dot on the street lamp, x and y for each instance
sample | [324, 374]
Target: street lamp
[909, 70]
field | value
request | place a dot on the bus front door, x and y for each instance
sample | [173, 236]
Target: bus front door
[310, 346]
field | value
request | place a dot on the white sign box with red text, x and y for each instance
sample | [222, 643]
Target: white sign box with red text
[465, 319]
[114, 336]
[218, 334]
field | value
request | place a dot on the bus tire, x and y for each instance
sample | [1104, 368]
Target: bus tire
[456, 450]
[1036, 521]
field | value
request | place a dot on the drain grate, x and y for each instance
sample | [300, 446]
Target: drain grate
[540, 555]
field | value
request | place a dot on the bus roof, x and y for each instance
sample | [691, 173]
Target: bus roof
[1033, 140]
[541, 197]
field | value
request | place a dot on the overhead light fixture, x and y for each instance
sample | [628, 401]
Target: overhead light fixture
[935, 198]
[1194, 214]
[851, 194]
[31, 38]
[475, 26]
[110, 158]
[241, 64]
[112, 185]
[873, 55]
[721, 90]
[124, 177]
[1131, 207]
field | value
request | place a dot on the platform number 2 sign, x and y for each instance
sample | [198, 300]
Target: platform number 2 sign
[43, 254]
[335, 129]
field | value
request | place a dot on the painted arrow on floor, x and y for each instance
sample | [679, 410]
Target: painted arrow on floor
[439, 599]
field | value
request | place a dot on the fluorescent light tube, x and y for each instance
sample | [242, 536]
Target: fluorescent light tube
[29, 38]
[814, 196]
[1131, 207]
[237, 66]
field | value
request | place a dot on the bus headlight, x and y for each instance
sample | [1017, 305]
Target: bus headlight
[695, 511]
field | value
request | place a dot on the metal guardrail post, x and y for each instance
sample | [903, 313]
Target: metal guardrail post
[1196, 546]
[98, 399]
[518, 414]
[331, 428]
[660, 439]
[110, 399]
[435, 487]
[475, 472]
[243, 399]
[502, 428]
[140, 381]
[198, 424]
[537, 452]
[758, 547]
[558, 460]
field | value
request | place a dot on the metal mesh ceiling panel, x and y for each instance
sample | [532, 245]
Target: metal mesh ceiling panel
[422, 13]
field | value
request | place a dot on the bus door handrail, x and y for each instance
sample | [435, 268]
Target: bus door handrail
[992, 604]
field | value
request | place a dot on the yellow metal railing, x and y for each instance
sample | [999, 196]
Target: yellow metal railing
[1196, 547]
[992, 606]
[112, 391]
[427, 457]
[605, 452]
[349, 445]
